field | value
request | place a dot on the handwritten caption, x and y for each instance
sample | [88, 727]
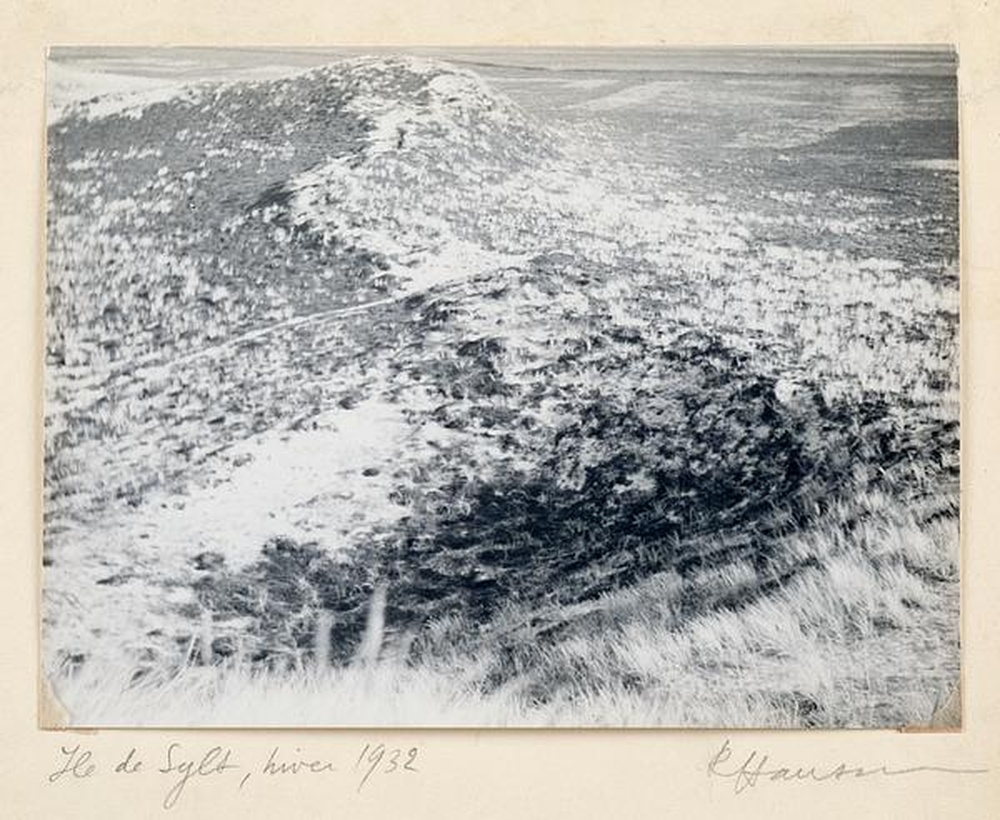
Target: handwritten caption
[748, 769]
[179, 766]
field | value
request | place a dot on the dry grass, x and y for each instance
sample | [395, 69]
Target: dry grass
[864, 635]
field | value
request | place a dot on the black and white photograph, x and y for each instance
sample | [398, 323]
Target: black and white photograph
[525, 387]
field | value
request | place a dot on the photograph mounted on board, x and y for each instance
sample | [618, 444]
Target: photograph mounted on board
[501, 387]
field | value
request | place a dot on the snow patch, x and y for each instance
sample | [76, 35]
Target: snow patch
[638, 95]
[949, 165]
[327, 484]
[97, 92]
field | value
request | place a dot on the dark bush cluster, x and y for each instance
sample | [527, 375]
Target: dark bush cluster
[268, 610]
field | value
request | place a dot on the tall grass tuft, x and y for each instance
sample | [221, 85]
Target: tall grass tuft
[374, 634]
[321, 641]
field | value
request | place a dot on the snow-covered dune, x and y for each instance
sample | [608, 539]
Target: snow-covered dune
[436, 185]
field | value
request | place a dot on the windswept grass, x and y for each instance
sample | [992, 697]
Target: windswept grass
[830, 646]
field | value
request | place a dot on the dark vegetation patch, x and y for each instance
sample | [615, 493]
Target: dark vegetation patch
[276, 600]
[900, 140]
[707, 469]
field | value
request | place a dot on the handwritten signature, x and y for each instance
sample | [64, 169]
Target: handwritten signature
[748, 770]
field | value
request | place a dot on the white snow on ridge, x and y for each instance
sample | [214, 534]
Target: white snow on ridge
[70, 87]
[134, 105]
[948, 165]
[96, 93]
[459, 259]
[447, 104]
[429, 187]
[588, 84]
[638, 95]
